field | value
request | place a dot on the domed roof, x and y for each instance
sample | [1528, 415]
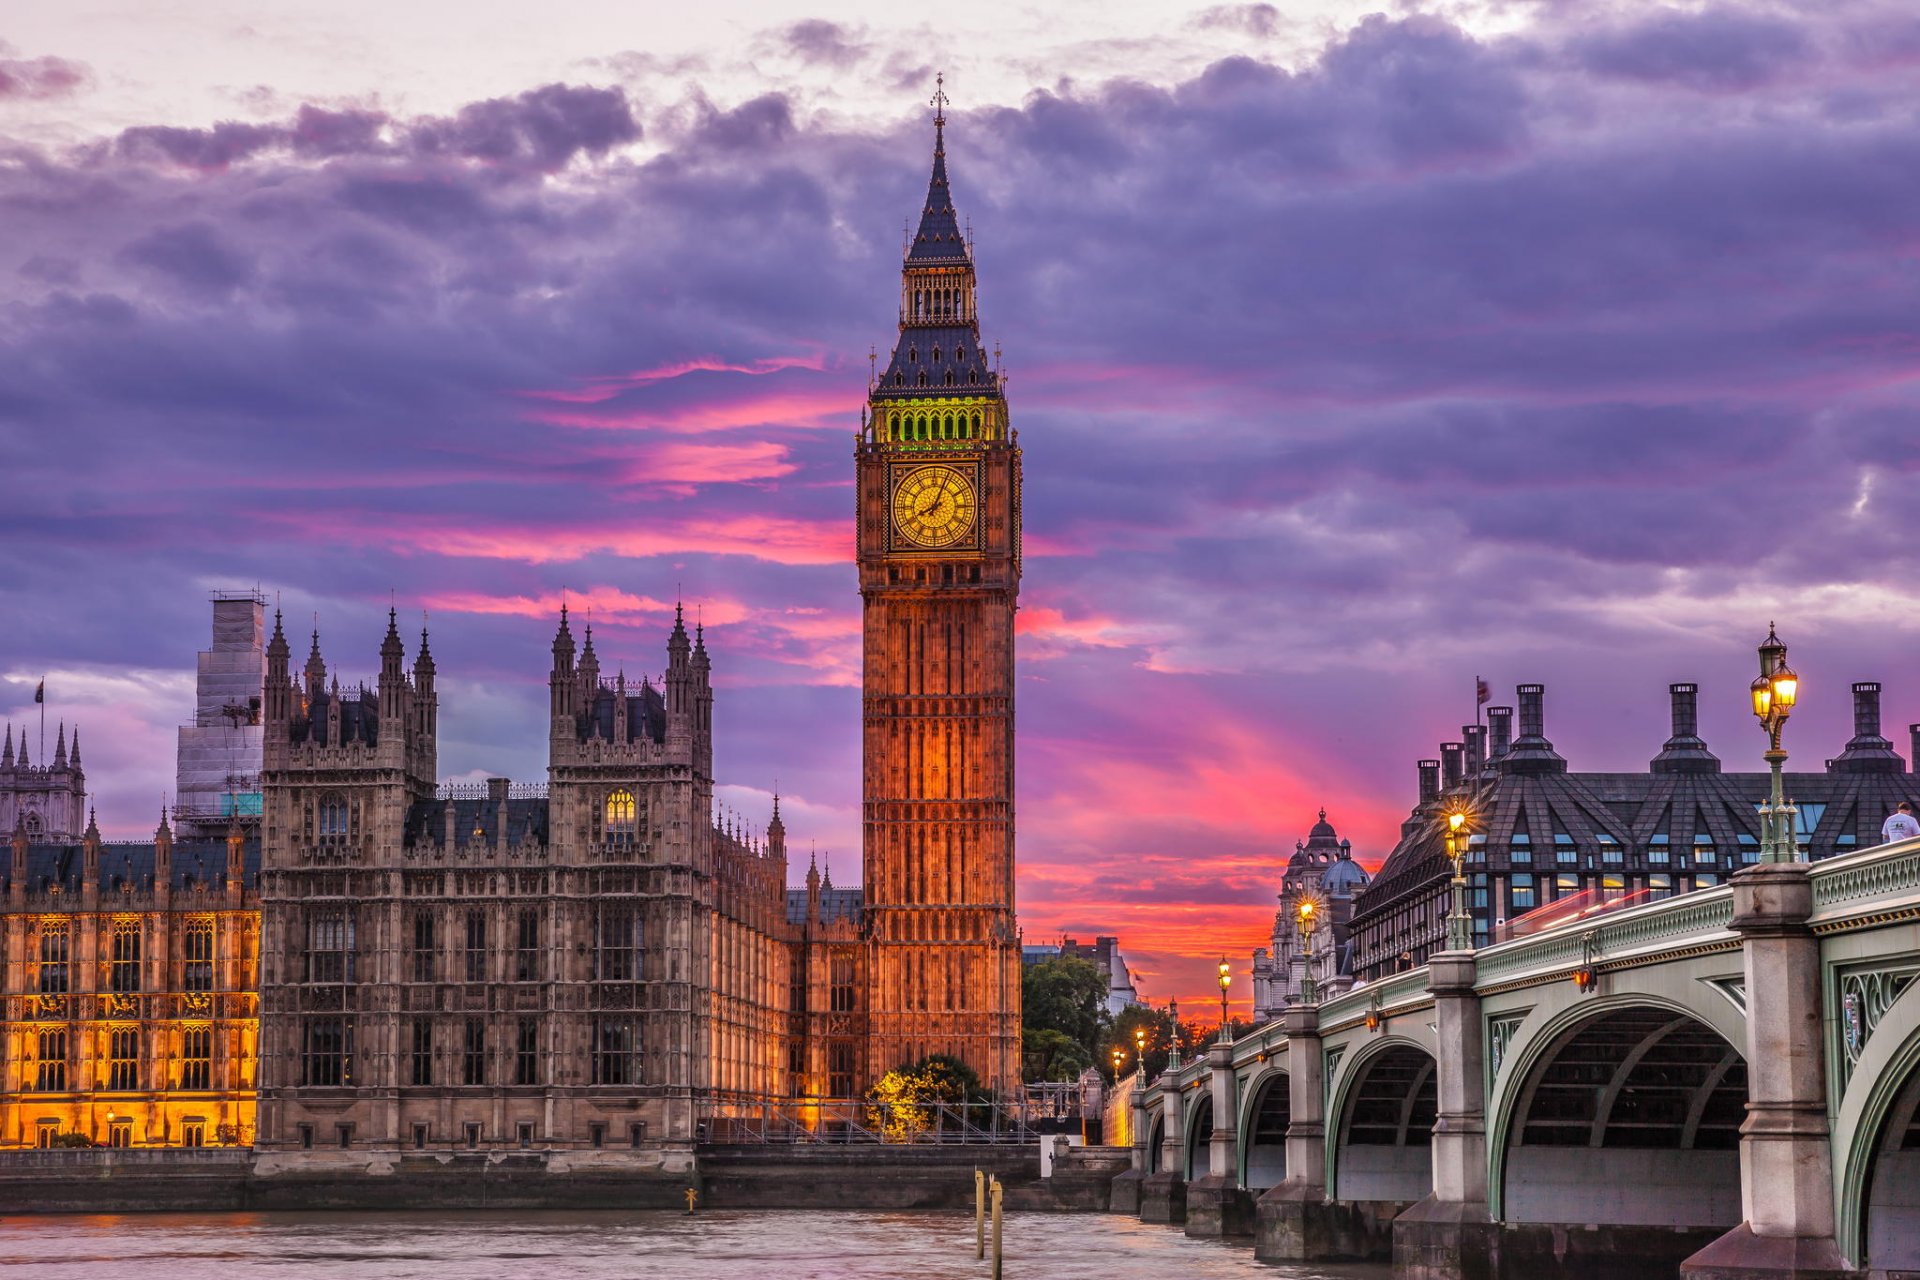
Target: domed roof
[1343, 877]
[1323, 842]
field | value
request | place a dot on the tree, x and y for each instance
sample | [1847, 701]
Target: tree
[1067, 995]
[906, 1102]
[1051, 1055]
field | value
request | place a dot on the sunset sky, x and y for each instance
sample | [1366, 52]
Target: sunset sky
[1354, 354]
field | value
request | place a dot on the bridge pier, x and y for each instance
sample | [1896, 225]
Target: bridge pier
[1217, 1205]
[1163, 1194]
[1450, 1235]
[1786, 1162]
[1125, 1194]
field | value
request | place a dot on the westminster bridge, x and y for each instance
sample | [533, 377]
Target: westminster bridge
[1724, 1083]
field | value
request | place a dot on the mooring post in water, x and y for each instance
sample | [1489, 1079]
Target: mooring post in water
[996, 1229]
[979, 1214]
[692, 1196]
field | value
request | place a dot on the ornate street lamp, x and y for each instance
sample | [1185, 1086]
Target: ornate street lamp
[1775, 690]
[1226, 980]
[1459, 924]
[1173, 1043]
[1119, 1055]
[1306, 915]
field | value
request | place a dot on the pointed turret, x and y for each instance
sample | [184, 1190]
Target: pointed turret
[6, 758]
[563, 694]
[316, 671]
[163, 853]
[74, 760]
[393, 673]
[278, 703]
[24, 762]
[939, 238]
[939, 352]
[60, 747]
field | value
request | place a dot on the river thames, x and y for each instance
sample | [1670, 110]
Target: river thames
[517, 1245]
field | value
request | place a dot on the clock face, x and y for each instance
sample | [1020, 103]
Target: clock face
[934, 507]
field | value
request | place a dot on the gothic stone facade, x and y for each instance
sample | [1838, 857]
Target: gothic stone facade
[578, 971]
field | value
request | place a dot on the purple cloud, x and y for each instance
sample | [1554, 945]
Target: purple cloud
[1432, 357]
[44, 77]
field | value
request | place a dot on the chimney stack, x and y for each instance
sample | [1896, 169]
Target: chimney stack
[1685, 751]
[1913, 743]
[1868, 752]
[1474, 737]
[1430, 776]
[1531, 752]
[1499, 732]
[1450, 759]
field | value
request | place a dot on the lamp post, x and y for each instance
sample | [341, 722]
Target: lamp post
[1775, 690]
[1226, 980]
[1306, 914]
[1459, 924]
[1119, 1055]
[1140, 1051]
[1173, 1042]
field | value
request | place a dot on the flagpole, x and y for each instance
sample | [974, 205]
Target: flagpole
[43, 724]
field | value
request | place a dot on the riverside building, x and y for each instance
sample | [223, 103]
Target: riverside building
[1542, 836]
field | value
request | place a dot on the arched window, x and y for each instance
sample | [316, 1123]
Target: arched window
[976, 424]
[620, 817]
[333, 816]
[949, 377]
[923, 377]
[32, 825]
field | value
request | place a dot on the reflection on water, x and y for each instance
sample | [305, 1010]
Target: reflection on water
[716, 1245]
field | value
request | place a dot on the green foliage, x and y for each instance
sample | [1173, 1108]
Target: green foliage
[1052, 1055]
[72, 1140]
[1065, 996]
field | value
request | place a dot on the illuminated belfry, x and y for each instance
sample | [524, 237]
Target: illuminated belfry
[939, 554]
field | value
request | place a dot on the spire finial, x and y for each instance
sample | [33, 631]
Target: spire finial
[939, 102]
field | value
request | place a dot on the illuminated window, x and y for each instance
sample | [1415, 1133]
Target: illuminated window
[196, 973]
[54, 939]
[841, 985]
[196, 1058]
[1660, 886]
[51, 1067]
[193, 1131]
[1520, 892]
[621, 817]
[123, 1059]
[123, 969]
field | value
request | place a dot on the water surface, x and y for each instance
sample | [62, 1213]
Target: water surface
[715, 1245]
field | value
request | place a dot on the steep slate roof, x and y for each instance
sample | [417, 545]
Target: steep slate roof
[1527, 800]
[427, 821]
[835, 904]
[129, 862]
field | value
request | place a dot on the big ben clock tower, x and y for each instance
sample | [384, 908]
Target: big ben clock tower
[939, 548]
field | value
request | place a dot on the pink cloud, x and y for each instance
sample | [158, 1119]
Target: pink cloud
[605, 387]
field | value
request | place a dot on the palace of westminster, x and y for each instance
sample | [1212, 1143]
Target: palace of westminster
[327, 954]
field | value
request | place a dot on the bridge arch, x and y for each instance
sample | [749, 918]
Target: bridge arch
[1263, 1130]
[1380, 1140]
[1624, 1110]
[1877, 1140]
[1199, 1133]
[1156, 1139]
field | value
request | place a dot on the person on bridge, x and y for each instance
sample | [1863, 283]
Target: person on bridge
[1900, 824]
